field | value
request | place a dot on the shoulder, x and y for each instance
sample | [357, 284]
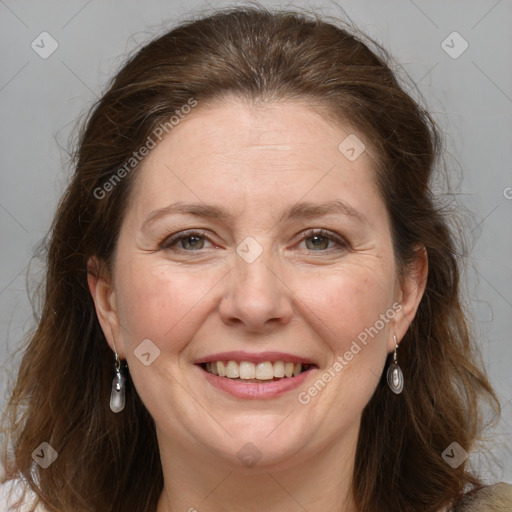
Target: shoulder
[491, 498]
[11, 492]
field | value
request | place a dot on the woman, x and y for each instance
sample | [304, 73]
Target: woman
[252, 297]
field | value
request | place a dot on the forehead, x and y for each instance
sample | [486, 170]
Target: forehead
[263, 153]
[231, 124]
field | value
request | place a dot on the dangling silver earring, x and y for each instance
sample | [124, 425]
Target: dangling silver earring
[117, 395]
[395, 375]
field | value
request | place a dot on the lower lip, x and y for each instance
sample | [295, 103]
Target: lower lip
[253, 390]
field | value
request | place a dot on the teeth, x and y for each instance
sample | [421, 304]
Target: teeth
[265, 371]
[232, 370]
[279, 369]
[246, 370]
[221, 368]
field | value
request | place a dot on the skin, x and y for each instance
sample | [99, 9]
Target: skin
[296, 297]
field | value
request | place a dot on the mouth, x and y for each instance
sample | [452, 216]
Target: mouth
[249, 372]
[255, 376]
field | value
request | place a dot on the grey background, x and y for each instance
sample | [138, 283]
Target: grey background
[470, 96]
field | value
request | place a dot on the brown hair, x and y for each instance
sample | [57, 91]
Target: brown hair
[109, 462]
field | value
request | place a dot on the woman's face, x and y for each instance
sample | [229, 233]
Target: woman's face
[252, 236]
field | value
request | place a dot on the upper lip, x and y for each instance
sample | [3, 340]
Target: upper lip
[254, 357]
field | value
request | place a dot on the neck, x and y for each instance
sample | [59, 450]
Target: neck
[316, 483]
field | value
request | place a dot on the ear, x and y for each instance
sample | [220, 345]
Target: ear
[104, 297]
[409, 293]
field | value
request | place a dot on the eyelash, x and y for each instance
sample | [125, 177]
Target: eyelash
[173, 239]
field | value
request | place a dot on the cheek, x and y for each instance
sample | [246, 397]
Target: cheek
[159, 305]
[346, 309]
[356, 307]
[347, 302]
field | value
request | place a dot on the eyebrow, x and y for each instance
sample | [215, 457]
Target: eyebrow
[304, 210]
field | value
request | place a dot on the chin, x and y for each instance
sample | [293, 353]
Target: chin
[263, 442]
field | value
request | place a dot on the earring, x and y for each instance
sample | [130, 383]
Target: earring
[117, 395]
[395, 376]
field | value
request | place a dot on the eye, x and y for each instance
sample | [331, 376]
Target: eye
[186, 241]
[320, 240]
[317, 240]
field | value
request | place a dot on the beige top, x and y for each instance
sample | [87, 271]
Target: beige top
[493, 498]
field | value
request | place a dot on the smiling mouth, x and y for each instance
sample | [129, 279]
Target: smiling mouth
[249, 372]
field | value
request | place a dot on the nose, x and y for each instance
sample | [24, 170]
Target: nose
[257, 298]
